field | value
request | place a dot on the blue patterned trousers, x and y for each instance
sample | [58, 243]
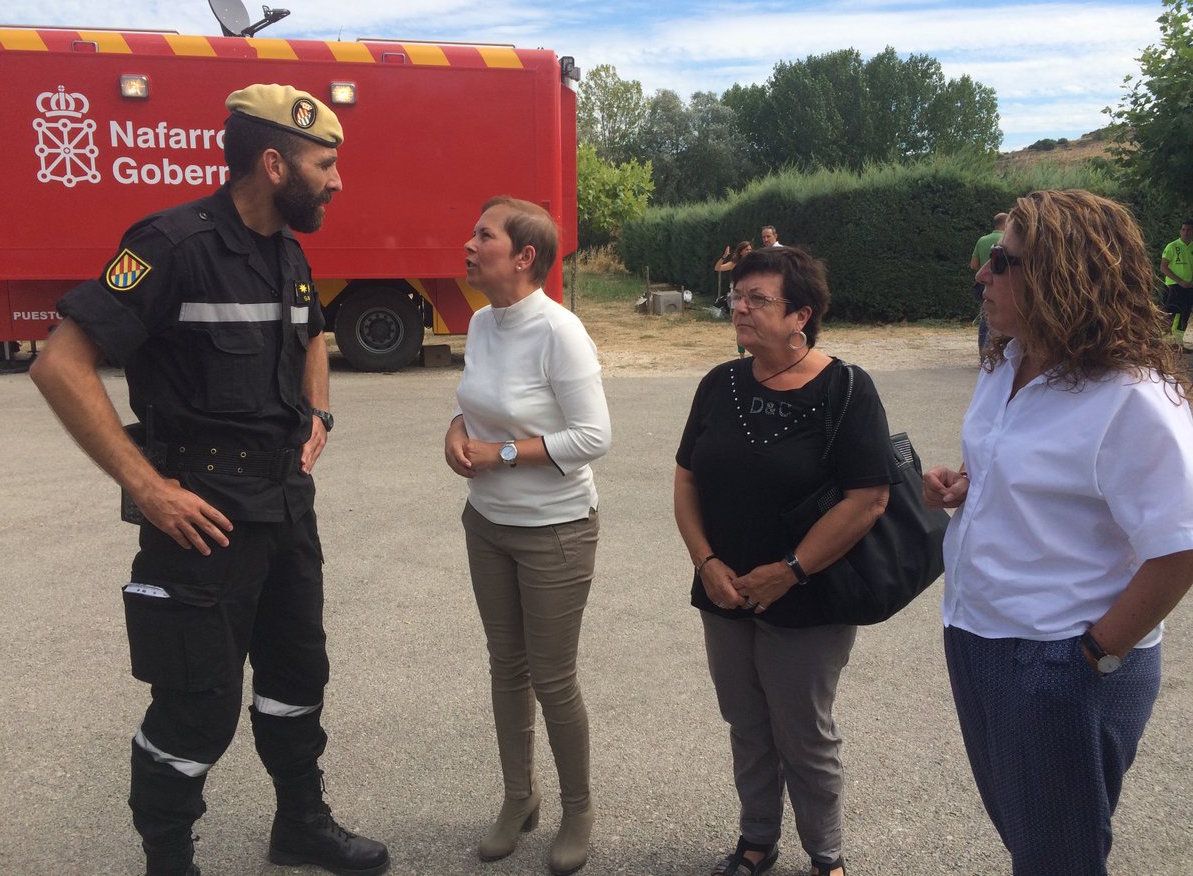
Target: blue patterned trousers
[1049, 740]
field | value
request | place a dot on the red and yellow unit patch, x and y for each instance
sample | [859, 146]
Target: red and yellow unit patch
[126, 271]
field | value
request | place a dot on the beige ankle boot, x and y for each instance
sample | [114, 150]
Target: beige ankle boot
[569, 851]
[517, 816]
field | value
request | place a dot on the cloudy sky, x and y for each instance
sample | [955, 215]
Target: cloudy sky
[1055, 65]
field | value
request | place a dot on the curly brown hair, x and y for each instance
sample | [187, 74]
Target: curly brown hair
[1088, 305]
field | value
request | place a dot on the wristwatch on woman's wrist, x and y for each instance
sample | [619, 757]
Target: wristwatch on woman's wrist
[509, 454]
[801, 577]
[1106, 663]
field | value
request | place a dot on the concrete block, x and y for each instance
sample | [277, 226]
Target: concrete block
[665, 302]
[436, 355]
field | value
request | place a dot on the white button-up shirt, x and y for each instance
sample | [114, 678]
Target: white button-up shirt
[1069, 493]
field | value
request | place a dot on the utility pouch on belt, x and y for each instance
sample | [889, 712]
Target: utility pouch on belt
[141, 435]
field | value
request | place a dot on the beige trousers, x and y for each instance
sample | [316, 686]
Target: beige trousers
[531, 585]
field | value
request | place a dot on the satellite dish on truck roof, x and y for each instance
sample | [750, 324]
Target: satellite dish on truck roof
[234, 18]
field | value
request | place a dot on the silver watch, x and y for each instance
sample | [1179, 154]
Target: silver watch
[509, 454]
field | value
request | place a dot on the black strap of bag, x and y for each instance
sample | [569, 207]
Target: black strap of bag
[892, 564]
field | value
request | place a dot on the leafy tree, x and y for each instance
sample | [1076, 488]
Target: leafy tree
[964, 115]
[610, 112]
[696, 149]
[608, 195]
[717, 160]
[834, 110]
[1157, 113]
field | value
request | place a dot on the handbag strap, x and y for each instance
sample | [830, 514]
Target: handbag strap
[831, 428]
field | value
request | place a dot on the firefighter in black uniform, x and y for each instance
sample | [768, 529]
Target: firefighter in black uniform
[210, 309]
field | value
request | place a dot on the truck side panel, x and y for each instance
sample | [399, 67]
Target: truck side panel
[434, 132]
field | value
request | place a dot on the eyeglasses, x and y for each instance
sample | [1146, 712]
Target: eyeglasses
[753, 300]
[1000, 260]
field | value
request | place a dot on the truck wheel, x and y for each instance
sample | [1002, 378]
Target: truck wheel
[380, 328]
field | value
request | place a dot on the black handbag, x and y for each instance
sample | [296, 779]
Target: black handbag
[890, 566]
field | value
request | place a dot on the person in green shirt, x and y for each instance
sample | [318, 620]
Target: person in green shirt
[981, 255]
[1176, 264]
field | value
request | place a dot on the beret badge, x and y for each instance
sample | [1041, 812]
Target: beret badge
[303, 112]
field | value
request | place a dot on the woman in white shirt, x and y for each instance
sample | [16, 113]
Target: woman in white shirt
[1074, 534]
[531, 417]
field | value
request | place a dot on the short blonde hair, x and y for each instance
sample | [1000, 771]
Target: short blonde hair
[529, 225]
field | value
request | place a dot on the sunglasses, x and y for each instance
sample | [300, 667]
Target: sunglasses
[1000, 260]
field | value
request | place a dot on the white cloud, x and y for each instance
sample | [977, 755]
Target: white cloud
[1062, 61]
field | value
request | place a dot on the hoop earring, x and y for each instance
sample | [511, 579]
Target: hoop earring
[803, 340]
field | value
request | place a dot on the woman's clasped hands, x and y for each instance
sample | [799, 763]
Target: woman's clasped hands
[467, 456]
[755, 590]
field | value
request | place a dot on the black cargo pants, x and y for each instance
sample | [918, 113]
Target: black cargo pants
[191, 622]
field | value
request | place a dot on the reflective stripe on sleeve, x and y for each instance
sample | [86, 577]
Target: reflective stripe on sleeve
[266, 706]
[300, 315]
[191, 768]
[206, 311]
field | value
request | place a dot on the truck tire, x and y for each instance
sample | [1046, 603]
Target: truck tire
[380, 328]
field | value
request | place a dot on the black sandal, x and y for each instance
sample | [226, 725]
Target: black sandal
[819, 869]
[737, 864]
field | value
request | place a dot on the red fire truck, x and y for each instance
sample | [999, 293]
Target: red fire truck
[103, 127]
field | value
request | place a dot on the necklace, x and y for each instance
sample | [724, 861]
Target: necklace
[741, 413]
[788, 368]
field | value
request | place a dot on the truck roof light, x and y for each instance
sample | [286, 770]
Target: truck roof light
[134, 85]
[343, 92]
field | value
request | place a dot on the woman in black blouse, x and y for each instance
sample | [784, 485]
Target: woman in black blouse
[752, 449]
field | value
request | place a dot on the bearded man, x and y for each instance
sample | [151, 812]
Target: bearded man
[210, 309]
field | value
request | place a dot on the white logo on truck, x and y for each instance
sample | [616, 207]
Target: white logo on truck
[65, 145]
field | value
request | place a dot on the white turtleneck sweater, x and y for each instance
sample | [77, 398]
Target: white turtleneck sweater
[531, 370]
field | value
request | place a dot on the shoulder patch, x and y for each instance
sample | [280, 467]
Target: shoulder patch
[126, 271]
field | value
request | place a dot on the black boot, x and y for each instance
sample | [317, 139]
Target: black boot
[170, 860]
[305, 833]
[165, 804]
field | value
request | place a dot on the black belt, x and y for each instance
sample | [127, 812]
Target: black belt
[206, 459]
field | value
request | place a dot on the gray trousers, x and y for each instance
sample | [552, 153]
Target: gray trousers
[775, 687]
[531, 585]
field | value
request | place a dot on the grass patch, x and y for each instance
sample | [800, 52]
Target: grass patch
[593, 286]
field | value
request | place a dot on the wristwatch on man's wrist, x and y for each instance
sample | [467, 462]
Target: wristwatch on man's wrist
[1106, 663]
[325, 416]
[509, 454]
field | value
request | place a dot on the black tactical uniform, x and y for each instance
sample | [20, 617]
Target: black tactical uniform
[213, 339]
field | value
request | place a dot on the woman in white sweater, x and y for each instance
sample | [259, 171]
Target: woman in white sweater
[531, 416]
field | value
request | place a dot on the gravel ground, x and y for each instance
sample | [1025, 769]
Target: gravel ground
[412, 758]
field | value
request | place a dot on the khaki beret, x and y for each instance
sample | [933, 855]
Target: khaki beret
[287, 108]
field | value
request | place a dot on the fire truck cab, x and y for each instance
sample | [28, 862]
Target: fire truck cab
[105, 127]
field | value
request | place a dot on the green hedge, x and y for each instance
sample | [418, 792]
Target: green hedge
[897, 238]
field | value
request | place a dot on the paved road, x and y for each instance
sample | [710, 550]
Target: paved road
[412, 758]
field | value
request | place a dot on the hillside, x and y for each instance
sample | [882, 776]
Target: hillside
[1095, 144]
